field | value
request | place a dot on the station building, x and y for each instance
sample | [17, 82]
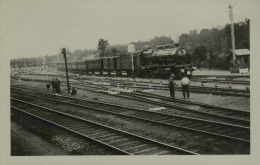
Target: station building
[243, 58]
[242, 63]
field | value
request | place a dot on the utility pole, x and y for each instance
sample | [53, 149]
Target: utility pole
[132, 59]
[232, 34]
[131, 49]
[63, 51]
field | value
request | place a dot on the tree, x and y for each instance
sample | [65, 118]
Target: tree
[200, 54]
[102, 45]
[216, 44]
[114, 51]
[75, 55]
[242, 35]
[163, 40]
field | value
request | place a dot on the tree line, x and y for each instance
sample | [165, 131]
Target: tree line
[27, 62]
[209, 48]
[107, 50]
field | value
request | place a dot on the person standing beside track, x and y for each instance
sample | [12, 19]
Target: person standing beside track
[171, 86]
[53, 85]
[74, 91]
[57, 85]
[185, 86]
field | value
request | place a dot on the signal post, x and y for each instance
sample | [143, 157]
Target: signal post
[63, 51]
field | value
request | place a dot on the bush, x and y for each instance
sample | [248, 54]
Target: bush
[220, 62]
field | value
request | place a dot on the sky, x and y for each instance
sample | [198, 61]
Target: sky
[35, 28]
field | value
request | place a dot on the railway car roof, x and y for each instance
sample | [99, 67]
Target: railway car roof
[164, 46]
[111, 57]
[102, 58]
[166, 52]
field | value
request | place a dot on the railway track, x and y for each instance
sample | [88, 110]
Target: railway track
[216, 129]
[223, 76]
[195, 89]
[77, 84]
[120, 141]
[235, 116]
[227, 115]
[242, 82]
[163, 86]
[233, 113]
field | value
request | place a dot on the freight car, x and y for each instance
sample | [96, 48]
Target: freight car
[158, 63]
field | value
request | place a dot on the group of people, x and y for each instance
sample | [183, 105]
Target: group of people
[184, 83]
[55, 85]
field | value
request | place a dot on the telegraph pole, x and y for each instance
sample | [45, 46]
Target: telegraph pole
[63, 51]
[131, 49]
[232, 34]
[132, 58]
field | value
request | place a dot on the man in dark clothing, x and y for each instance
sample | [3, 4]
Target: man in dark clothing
[133, 75]
[57, 84]
[171, 86]
[74, 91]
[48, 86]
[53, 85]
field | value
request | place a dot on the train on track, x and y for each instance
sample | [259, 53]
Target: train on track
[158, 63]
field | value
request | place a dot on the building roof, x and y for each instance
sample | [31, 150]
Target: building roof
[241, 52]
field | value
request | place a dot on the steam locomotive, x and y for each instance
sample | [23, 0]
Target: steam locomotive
[159, 63]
